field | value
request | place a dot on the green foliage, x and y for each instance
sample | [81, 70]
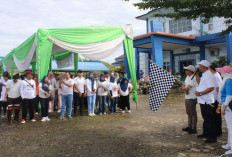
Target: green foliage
[222, 61]
[192, 9]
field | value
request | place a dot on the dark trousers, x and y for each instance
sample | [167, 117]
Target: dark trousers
[4, 106]
[37, 103]
[124, 102]
[191, 111]
[78, 101]
[44, 106]
[218, 119]
[28, 104]
[209, 127]
[113, 104]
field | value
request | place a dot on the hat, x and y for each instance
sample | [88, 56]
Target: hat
[29, 72]
[190, 67]
[225, 69]
[204, 63]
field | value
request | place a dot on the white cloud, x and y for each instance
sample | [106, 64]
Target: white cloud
[21, 18]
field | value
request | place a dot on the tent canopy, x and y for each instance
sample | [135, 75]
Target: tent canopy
[94, 43]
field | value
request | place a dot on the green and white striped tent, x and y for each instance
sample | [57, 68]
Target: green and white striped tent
[64, 45]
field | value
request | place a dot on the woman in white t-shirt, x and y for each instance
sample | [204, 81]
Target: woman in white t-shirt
[113, 92]
[102, 93]
[91, 87]
[124, 88]
[52, 81]
[44, 96]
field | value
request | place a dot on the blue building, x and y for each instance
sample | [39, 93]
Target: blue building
[174, 44]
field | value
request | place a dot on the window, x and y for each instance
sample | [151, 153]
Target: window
[180, 26]
[210, 24]
[166, 66]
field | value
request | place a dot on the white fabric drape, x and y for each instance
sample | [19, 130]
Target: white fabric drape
[95, 51]
[68, 61]
[23, 65]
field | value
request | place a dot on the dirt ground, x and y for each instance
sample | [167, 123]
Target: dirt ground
[142, 133]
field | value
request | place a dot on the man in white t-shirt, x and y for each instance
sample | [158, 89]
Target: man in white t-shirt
[205, 98]
[218, 82]
[3, 103]
[28, 94]
[79, 92]
[189, 89]
[67, 97]
[13, 98]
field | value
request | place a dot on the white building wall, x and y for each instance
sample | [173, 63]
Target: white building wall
[218, 25]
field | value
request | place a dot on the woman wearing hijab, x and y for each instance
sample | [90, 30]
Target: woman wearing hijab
[225, 97]
[113, 89]
[102, 93]
[91, 87]
[124, 89]
[44, 96]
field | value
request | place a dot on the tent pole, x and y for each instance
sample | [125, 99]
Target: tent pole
[12, 67]
[50, 66]
[76, 63]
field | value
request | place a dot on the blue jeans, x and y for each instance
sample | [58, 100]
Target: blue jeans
[66, 100]
[113, 104]
[91, 103]
[102, 104]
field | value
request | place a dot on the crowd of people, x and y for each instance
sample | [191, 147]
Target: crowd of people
[214, 94]
[109, 91]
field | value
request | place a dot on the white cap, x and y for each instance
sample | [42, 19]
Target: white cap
[204, 63]
[190, 67]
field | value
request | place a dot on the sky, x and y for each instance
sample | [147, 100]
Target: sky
[19, 19]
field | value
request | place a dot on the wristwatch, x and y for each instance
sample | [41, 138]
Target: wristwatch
[201, 93]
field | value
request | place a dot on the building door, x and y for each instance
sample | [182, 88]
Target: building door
[184, 63]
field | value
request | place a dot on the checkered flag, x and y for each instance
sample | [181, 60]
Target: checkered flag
[161, 82]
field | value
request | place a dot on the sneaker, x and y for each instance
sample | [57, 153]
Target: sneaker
[61, 118]
[192, 131]
[129, 111]
[100, 114]
[70, 117]
[23, 121]
[44, 119]
[90, 114]
[37, 113]
[186, 129]
[104, 113]
[33, 120]
[48, 119]
[59, 111]
[93, 114]
[123, 111]
[227, 146]
[228, 152]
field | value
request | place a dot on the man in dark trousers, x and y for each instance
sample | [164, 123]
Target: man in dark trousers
[206, 100]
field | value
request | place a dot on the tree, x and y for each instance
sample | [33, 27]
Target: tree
[192, 9]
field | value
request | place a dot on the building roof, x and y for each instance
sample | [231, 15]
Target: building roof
[145, 16]
[164, 34]
[122, 56]
[119, 62]
[85, 66]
